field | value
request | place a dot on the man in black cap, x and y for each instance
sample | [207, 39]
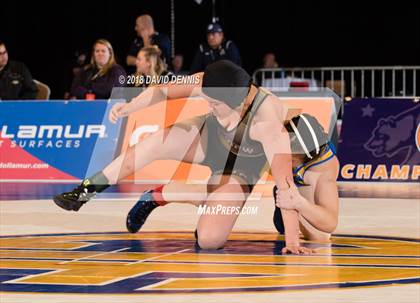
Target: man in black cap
[216, 48]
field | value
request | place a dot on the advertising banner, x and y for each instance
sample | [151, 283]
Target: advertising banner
[55, 140]
[380, 140]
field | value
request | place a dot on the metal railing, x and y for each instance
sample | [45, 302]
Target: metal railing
[375, 81]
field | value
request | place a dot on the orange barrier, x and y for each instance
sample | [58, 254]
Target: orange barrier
[149, 120]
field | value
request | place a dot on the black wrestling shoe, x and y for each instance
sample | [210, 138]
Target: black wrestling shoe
[277, 218]
[74, 199]
[139, 213]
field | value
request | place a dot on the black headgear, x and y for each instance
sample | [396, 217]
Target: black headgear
[307, 136]
[233, 81]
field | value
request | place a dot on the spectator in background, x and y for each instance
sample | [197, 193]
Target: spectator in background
[177, 65]
[97, 79]
[269, 61]
[149, 67]
[216, 48]
[78, 64]
[147, 36]
[15, 79]
[270, 78]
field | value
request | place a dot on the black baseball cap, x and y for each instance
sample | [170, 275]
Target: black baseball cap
[214, 28]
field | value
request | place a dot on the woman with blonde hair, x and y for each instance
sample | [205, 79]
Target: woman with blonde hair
[97, 79]
[150, 67]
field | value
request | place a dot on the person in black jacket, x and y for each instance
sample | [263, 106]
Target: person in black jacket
[15, 79]
[97, 79]
[148, 36]
[216, 48]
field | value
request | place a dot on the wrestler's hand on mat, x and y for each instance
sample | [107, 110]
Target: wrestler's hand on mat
[296, 250]
[115, 113]
[289, 198]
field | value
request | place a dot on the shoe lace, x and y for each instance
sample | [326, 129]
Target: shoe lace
[81, 193]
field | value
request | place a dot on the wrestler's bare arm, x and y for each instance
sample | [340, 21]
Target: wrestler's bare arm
[268, 128]
[156, 94]
[323, 214]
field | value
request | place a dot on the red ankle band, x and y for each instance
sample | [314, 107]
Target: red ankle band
[158, 197]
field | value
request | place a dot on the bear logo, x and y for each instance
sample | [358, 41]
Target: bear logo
[396, 133]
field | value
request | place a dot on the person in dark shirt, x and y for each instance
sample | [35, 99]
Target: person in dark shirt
[79, 62]
[178, 64]
[147, 36]
[15, 79]
[216, 48]
[98, 78]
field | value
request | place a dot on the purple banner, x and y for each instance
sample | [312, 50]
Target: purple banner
[380, 140]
